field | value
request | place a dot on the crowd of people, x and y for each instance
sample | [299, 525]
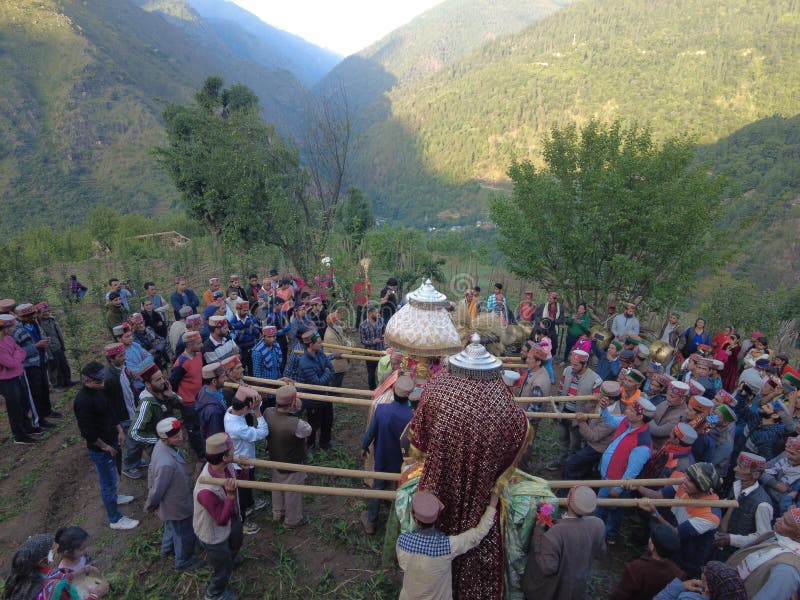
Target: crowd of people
[720, 417]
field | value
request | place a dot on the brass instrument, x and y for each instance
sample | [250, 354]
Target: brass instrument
[601, 336]
[661, 352]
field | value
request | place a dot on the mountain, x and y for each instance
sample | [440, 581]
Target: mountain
[85, 83]
[431, 42]
[693, 67]
[252, 39]
[762, 164]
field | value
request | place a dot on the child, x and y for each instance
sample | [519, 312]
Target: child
[71, 544]
[425, 555]
[781, 478]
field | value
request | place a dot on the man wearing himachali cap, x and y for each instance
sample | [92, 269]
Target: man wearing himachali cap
[577, 380]
[216, 516]
[425, 555]
[669, 413]
[169, 494]
[625, 456]
[743, 525]
[595, 433]
[695, 525]
[781, 478]
[156, 402]
[208, 295]
[186, 378]
[267, 354]
[12, 383]
[561, 557]
[770, 567]
[219, 344]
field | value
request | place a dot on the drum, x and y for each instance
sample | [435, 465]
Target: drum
[661, 352]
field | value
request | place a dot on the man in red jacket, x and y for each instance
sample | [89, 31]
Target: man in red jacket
[186, 378]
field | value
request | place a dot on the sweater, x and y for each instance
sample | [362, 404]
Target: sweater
[169, 489]
[11, 358]
[187, 376]
[213, 510]
[425, 556]
[211, 408]
[645, 577]
[561, 558]
[664, 421]
[96, 419]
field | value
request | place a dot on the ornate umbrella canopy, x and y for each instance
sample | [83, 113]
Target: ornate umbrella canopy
[423, 326]
[475, 362]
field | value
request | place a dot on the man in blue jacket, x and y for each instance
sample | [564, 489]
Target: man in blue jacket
[384, 431]
[316, 368]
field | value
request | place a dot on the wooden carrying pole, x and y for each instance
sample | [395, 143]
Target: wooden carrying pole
[390, 495]
[319, 470]
[354, 349]
[551, 415]
[351, 356]
[310, 386]
[530, 399]
[307, 396]
[555, 484]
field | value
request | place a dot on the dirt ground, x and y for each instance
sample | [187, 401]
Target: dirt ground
[53, 484]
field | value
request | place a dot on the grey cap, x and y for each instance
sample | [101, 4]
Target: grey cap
[582, 500]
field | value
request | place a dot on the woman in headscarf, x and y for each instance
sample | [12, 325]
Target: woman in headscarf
[718, 582]
[29, 567]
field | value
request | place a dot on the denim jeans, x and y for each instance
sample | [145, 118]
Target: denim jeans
[611, 515]
[106, 466]
[179, 538]
[220, 557]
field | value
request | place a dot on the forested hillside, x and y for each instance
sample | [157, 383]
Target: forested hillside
[689, 67]
[762, 215]
[426, 45]
[83, 90]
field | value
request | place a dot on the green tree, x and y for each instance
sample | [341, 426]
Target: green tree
[404, 254]
[611, 214]
[243, 181]
[355, 215]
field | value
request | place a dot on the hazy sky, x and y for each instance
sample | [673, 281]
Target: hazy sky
[344, 26]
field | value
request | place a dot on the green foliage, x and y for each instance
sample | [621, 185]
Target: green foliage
[706, 68]
[234, 172]
[741, 304]
[355, 215]
[762, 214]
[611, 214]
[92, 77]
[404, 254]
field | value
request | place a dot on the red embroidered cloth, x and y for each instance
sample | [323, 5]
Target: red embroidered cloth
[471, 431]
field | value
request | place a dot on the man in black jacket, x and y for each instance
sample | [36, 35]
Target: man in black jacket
[100, 428]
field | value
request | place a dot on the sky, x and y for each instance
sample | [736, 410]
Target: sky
[344, 26]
